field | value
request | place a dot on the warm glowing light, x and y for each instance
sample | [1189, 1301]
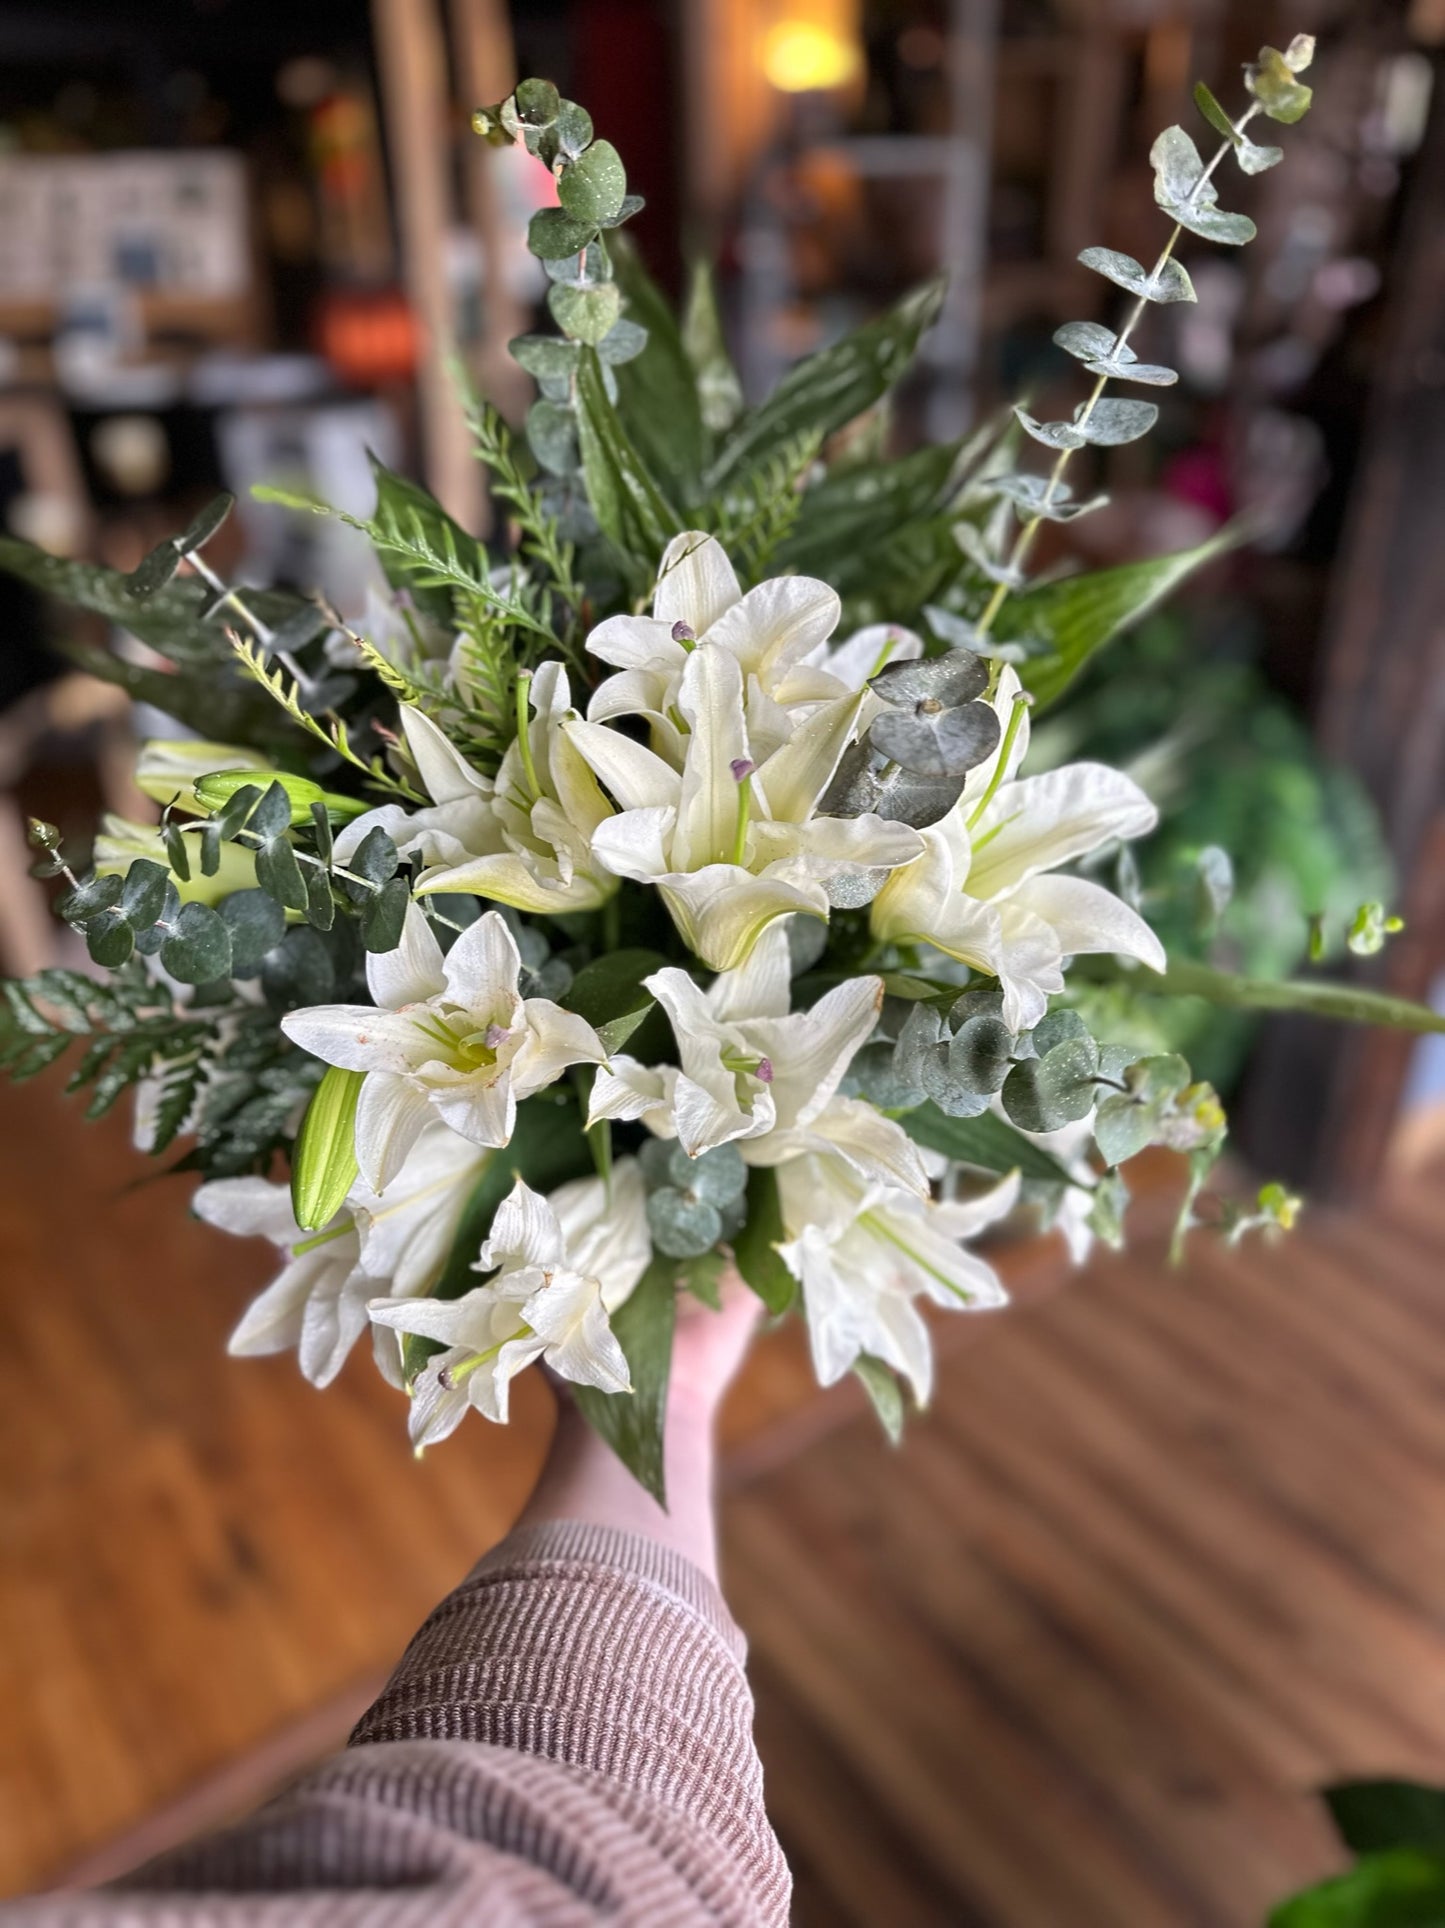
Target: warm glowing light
[800, 57]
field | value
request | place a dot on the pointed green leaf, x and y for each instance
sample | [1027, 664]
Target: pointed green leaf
[633, 1423]
[1215, 114]
[1371, 1815]
[1076, 617]
[830, 388]
[988, 1143]
[1347, 1003]
[755, 1248]
[719, 392]
[630, 507]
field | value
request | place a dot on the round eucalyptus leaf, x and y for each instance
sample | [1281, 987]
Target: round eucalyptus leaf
[1085, 340]
[718, 1175]
[544, 356]
[256, 923]
[110, 939]
[1041, 1094]
[1172, 282]
[272, 814]
[537, 103]
[384, 916]
[587, 267]
[852, 889]
[279, 874]
[198, 949]
[947, 681]
[1213, 224]
[148, 941]
[143, 894]
[920, 1039]
[874, 1075]
[1113, 422]
[654, 1159]
[631, 204]
[299, 971]
[981, 1054]
[1053, 435]
[1151, 374]
[1122, 1128]
[92, 898]
[573, 128]
[1179, 171]
[553, 235]
[625, 342]
[976, 1004]
[592, 187]
[1057, 1027]
[807, 941]
[949, 743]
[552, 437]
[1255, 157]
[374, 858]
[682, 1227]
[586, 314]
[1033, 496]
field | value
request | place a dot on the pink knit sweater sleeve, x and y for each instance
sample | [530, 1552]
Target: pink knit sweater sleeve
[568, 1739]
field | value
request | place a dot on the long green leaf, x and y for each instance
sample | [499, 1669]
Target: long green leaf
[404, 509]
[633, 1423]
[1075, 618]
[1346, 1003]
[213, 703]
[832, 387]
[657, 396]
[175, 620]
[630, 508]
[756, 1246]
[989, 1142]
[842, 519]
[1371, 1815]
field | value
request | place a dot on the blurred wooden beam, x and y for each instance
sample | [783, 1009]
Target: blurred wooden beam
[1324, 1100]
[416, 107]
[486, 72]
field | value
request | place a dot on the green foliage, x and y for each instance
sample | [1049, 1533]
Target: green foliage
[1397, 1831]
[1070, 621]
[630, 508]
[755, 1244]
[1345, 1003]
[609, 993]
[988, 1143]
[633, 1423]
[830, 388]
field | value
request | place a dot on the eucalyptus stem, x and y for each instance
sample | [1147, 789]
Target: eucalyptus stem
[264, 634]
[1024, 541]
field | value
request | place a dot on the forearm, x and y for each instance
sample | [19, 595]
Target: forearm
[584, 1480]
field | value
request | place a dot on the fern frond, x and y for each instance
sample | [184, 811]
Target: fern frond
[333, 733]
[755, 519]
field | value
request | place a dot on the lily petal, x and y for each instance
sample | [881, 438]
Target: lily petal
[413, 971]
[359, 1037]
[1038, 823]
[390, 1114]
[524, 1232]
[695, 582]
[1085, 917]
[637, 778]
[482, 967]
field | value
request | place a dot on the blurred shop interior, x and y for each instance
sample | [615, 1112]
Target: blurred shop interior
[230, 234]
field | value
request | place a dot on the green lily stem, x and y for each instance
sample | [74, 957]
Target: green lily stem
[1016, 717]
[524, 739]
[1024, 541]
[740, 834]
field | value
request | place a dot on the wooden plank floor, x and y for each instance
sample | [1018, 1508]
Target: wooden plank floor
[1167, 1555]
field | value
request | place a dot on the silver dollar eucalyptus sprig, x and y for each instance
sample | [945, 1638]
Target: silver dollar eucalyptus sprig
[1184, 188]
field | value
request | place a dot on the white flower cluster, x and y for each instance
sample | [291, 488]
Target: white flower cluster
[747, 707]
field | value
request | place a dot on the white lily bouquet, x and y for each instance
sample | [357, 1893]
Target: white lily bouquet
[665, 888]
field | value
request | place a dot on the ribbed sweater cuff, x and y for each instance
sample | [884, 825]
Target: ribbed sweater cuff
[541, 1550]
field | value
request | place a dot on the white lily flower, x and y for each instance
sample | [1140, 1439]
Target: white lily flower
[982, 891]
[864, 1254]
[458, 823]
[732, 846]
[562, 1265]
[546, 806]
[317, 1302]
[448, 1037]
[748, 1066]
[773, 632]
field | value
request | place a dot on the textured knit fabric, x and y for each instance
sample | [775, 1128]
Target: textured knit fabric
[567, 1740]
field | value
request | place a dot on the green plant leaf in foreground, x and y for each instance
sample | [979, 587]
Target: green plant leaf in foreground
[1075, 618]
[632, 1422]
[1370, 1815]
[630, 508]
[755, 1249]
[1398, 1888]
[988, 1142]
